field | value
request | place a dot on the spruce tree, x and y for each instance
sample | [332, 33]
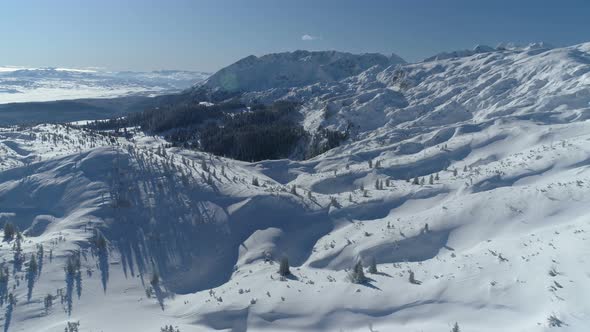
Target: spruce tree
[357, 275]
[48, 303]
[373, 266]
[9, 231]
[284, 267]
[33, 267]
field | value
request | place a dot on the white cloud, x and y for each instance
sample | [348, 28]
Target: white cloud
[307, 37]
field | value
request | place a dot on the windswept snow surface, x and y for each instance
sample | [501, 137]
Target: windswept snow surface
[499, 241]
[18, 84]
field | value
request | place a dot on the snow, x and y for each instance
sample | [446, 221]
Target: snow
[501, 245]
[21, 84]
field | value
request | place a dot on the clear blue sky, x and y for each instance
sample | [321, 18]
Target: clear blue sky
[209, 34]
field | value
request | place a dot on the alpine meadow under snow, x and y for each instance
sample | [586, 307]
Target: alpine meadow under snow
[455, 197]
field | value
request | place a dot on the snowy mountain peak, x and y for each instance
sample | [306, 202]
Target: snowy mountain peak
[511, 46]
[294, 69]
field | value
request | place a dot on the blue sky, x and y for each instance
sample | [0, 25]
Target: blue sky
[209, 34]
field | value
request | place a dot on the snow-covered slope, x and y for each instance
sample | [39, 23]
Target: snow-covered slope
[46, 84]
[493, 236]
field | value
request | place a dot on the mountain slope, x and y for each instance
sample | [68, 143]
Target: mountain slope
[466, 180]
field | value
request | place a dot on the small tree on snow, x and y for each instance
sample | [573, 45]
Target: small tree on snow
[357, 275]
[412, 279]
[33, 267]
[431, 180]
[255, 181]
[72, 327]
[155, 279]
[334, 202]
[9, 231]
[455, 172]
[284, 267]
[416, 180]
[373, 266]
[456, 328]
[48, 302]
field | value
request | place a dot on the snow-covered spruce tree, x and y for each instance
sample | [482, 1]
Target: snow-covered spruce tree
[370, 163]
[255, 181]
[100, 241]
[72, 327]
[416, 180]
[377, 184]
[9, 231]
[431, 179]
[422, 181]
[456, 328]
[155, 281]
[455, 172]
[334, 202]
[436, 178]
[32, 271]
[357, 275]
[373, 266]
[284, 267]
[48, 303]
[412, 279]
